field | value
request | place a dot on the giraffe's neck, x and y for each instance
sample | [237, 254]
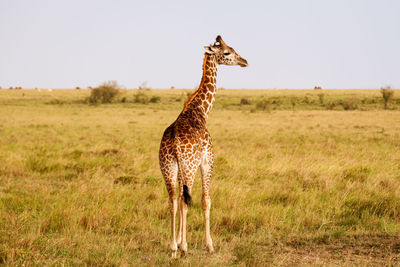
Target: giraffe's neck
[202, 100]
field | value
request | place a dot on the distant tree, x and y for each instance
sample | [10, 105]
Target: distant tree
[141, 98]
[387, 94]
[144, 86]
[104, 93]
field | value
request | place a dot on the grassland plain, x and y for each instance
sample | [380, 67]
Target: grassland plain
[299, 178]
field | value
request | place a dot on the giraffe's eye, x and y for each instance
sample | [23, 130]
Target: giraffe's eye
[227, 53]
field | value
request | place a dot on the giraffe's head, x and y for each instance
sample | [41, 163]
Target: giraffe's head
[225, 54]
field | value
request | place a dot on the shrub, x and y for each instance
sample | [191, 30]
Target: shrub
[387, 94]
[293, 101]
[321, 98]
[245, 101]
[350, 104]
[264, 104]
[141, 98]
[276, 101]
[155, 99]
[104, 93]
[55, 102]
[368, 100]
[330, 105]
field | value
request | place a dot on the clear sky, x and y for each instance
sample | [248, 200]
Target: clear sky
[288, 43]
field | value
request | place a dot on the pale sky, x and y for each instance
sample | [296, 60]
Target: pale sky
[288, 43]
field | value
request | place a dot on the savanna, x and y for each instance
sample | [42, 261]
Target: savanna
[309, 177]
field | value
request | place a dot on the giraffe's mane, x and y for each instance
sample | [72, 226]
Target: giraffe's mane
[193, 95]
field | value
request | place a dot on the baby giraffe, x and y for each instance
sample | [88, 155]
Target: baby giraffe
[186, 145]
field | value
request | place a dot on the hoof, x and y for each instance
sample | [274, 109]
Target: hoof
[183, 248]
[174, 250]
[211, 249]
[174, 254]
[183, 253]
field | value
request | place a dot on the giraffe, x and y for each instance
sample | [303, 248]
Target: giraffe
[186, 145]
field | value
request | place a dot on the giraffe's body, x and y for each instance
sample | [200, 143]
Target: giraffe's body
[186, 145]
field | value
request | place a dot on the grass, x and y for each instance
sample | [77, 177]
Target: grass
[293, 184]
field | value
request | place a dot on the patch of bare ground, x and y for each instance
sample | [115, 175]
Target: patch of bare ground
[356, 250]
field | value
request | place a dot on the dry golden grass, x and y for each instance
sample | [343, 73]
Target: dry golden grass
[80, 184]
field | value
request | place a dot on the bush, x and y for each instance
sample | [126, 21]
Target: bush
[293, 101]
[330, 105]
[55, 102]
[155, 99]
[104, 93]
[276, 101]
[245, 101]
[350, 104]
[264, 104]
[321, 99]
[141, 98]
[387, 94]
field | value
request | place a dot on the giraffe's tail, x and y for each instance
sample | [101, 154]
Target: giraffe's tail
[186, 195]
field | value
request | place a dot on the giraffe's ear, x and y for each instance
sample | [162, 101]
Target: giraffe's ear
[210, 50]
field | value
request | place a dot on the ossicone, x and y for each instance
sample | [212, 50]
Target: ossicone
[219, 40]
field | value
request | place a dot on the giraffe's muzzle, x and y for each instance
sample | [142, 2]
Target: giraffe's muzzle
[243, 62]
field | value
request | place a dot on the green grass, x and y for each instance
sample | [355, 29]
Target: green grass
[304, 183]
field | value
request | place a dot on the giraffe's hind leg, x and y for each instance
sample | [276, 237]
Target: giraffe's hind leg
[206, 167]
[169, 169]
[188, 163]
